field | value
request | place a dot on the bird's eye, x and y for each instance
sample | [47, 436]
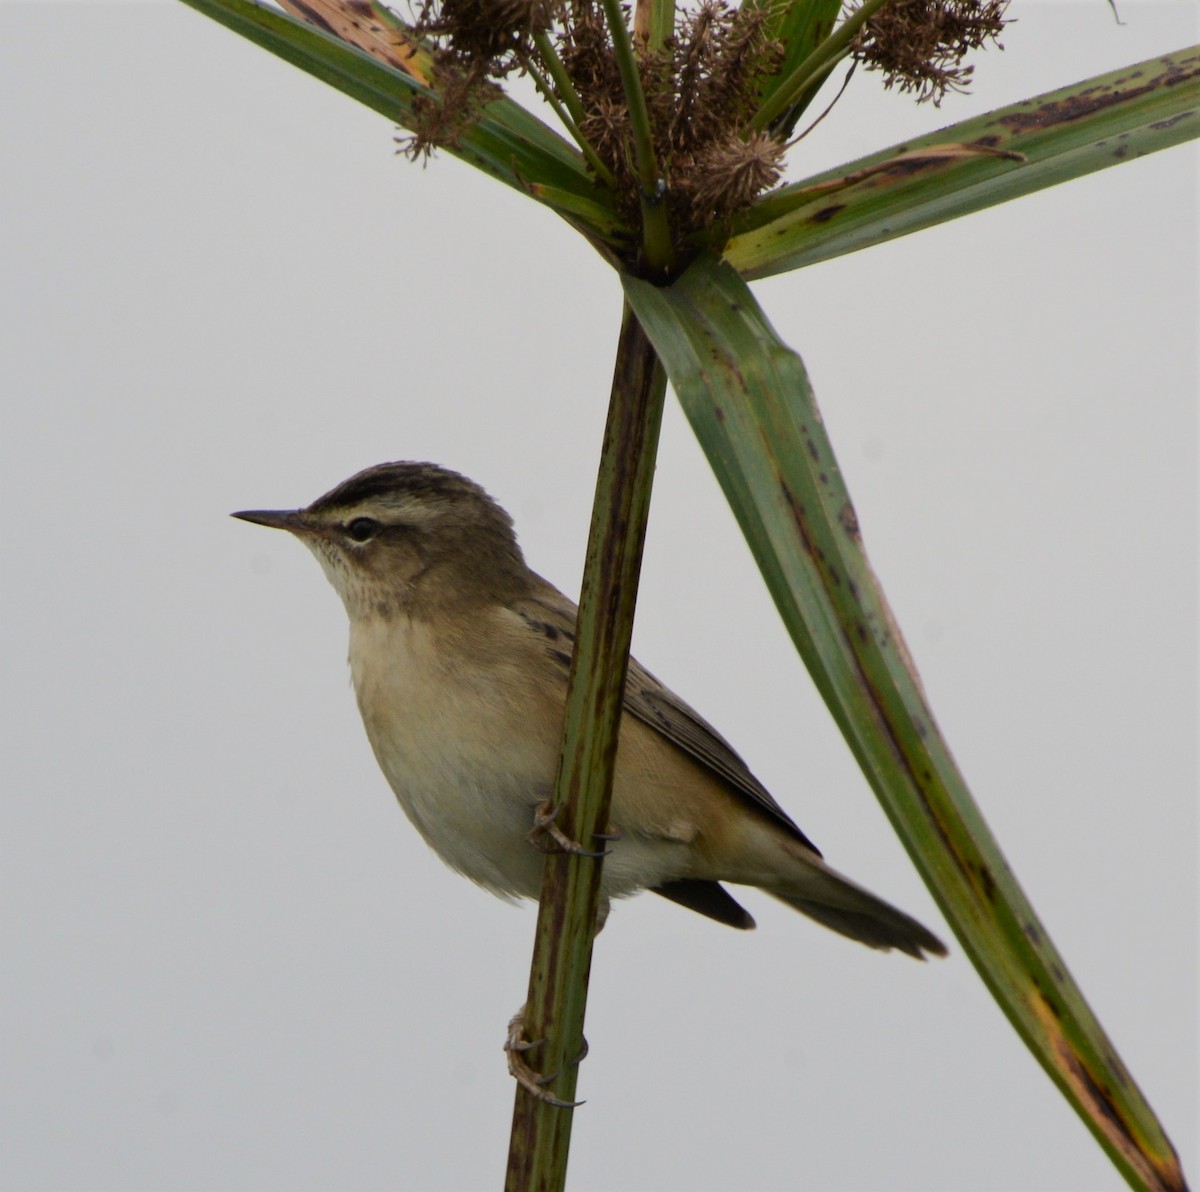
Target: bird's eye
[362, 529]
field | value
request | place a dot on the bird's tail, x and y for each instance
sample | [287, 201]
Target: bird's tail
[814, 889]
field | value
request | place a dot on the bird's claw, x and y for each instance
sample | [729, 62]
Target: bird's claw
[532, 1081]
[547, 837]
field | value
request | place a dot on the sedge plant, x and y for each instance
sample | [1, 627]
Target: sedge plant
[662, 139]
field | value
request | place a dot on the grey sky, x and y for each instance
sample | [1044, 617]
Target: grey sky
[227, 960]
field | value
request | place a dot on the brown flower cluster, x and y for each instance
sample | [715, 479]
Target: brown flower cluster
[702, 87]
[701, 90]
[920, 44]
[476, 41]
[488, 34]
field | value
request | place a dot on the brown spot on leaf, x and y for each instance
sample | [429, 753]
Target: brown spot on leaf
[798, 516]
[1096, 99]
[849, 521]
[905, 167]
[1116, 1069]
[1170, 122]
[1157, 1170]
[988, 882]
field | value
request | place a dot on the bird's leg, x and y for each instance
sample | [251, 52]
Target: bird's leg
[547, 837]
[532, 1081]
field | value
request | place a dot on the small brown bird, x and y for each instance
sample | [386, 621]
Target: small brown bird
[460, 655]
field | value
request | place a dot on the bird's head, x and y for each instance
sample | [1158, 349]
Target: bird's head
[407, 537]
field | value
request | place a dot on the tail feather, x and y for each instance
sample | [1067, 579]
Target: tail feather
[844, 906]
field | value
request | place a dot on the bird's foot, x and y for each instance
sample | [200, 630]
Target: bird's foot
[547, 837]
[532, 1081]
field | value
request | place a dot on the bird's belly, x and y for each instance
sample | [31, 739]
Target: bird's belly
[477, 813]
[479, 829]
[471, 798]
[461, 750]
[471, 752]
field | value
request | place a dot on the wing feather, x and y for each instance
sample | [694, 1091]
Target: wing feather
[552, 615]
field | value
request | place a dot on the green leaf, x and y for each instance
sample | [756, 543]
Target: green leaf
[749, 401]
[799, 26]
[969, 166]
[654, 22]
[506, 141]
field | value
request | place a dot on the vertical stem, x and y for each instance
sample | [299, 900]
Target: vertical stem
[656, 233]
[541, 1133]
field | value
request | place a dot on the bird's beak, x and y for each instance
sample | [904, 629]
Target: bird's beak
[277, 519]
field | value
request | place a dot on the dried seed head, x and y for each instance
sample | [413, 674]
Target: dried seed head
[491, 31]
[439, 122]
[476, 41]
[719, 56]
[729, 174]
[920, 44]
[701, 87]
[586, 52]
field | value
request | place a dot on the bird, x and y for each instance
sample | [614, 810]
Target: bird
[460, 654]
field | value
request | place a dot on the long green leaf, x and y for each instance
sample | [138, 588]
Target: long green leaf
[506, 141]
[969, 166]
[798, 26]
[750, 404]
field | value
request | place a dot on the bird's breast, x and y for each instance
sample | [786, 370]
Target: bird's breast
[467, 738]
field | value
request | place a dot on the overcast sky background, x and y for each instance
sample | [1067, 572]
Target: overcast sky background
[229, 963]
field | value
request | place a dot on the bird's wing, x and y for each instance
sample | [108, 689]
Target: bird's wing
[552, 615]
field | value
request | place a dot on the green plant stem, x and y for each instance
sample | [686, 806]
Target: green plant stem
[821, 60]
[602, 172]
[656, 234]
[558, 72]
[541, 1133]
